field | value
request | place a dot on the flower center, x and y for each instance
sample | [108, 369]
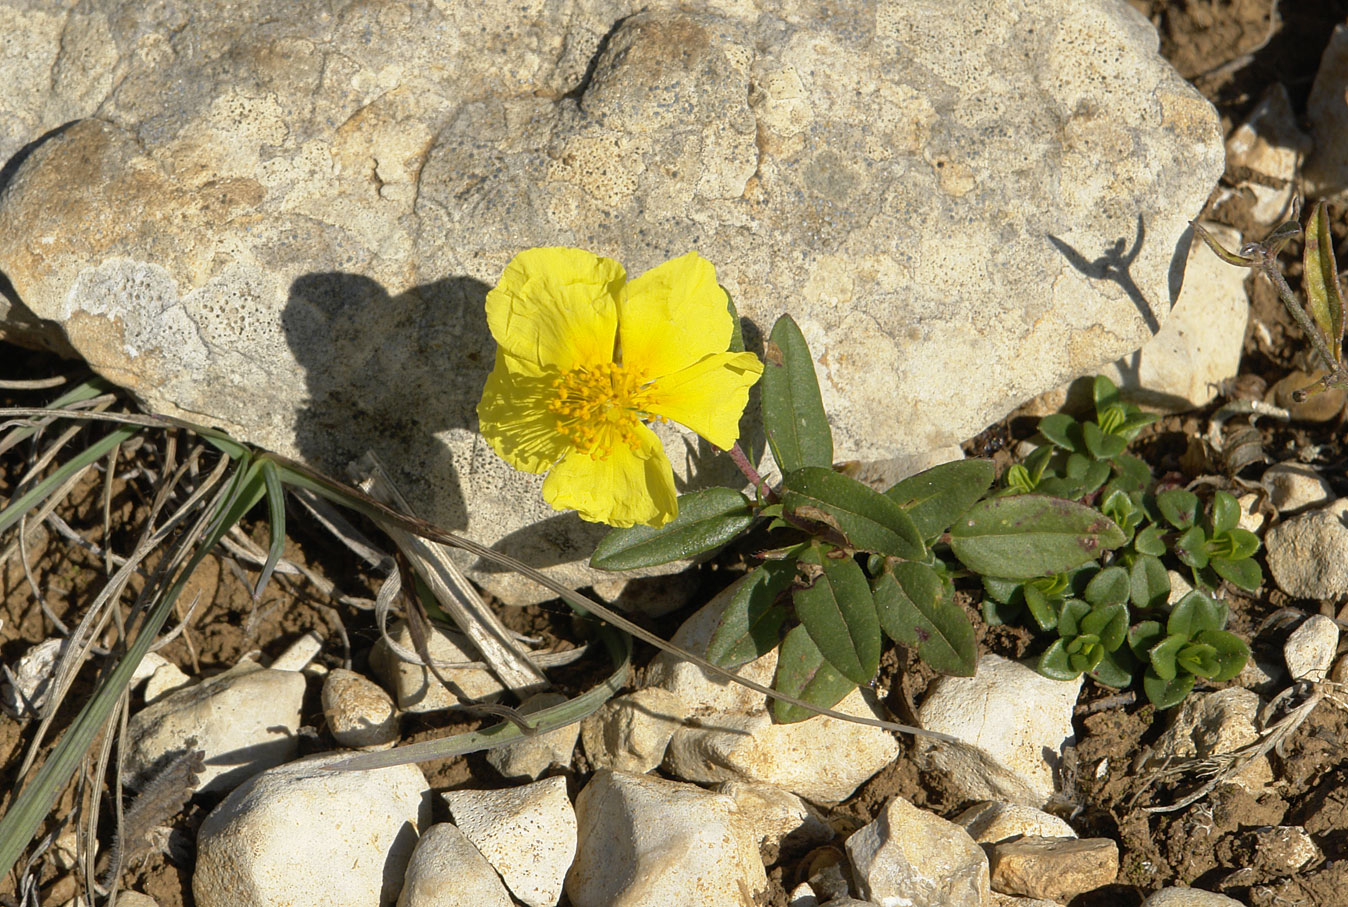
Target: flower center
[600, 407]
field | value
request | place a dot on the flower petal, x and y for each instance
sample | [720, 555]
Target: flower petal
[629, 487]
[709, 397]
[672, 316]
[556, 308]
[513, 417]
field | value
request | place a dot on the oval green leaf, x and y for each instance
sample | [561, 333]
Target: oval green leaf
[865, 519]
[1031, 535]
[915, 611]
[838, 612]
[936, 497]
[804, 672]
[707, 520]
[752, 620]
[793, 412]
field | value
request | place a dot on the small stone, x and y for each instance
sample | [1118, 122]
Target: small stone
[529, 757]
[165, 679]
[358, 711]
[1198, 348]
[246, 720]
[135, 899]
[299, 653]
[1215, 724]
[414, 687]
[822, 759]
[1295, 486]
[911, 856]
[1252, 518]
[1321, 406]
[802, 896]
[1058, 869]
[1179, 586]
[446, 870]
[775, 816]
[31, 675]
[631, 733]
[1308, 554]
[990, 822]
[1013, 722]
[644, 840]
[1189, 897]
[302, 834]
[1268, 148]
[527, 834]
[709, 692]
[1326, 170]
[1339, 674]
[1281, 850]
[1309, 649]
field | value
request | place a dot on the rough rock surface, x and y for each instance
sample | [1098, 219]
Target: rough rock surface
[286, 218]
[300, 834]
[245, 720]
[646, 842]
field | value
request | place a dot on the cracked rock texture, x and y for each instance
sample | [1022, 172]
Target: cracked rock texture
[283, 220]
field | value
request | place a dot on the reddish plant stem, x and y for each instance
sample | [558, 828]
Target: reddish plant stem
[742, 461]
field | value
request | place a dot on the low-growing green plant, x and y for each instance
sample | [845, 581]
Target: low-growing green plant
[1074, 543]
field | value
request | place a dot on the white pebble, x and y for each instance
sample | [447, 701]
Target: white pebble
[358, 711]
[1309, 649]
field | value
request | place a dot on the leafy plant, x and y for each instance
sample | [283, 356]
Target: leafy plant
[1190, 644]
[843, 565]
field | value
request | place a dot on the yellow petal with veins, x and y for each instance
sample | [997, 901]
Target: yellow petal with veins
[555, 308]
[625, 488]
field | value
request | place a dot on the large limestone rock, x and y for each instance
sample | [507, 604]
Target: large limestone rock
[283, 220]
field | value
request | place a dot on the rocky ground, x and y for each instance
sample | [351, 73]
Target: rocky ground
[1228, 794]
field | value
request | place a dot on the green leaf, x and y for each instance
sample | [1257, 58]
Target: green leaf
[1242, 572]
[1179, 507]
[1148, 583]
[1031, 535]
[1241, 543]
[1150, 541]
[1198, 659]
[915, 611]
[1232, 653]
[1056, 664]
[864, 518]
[838, 611]
[1195, 613]
[936, 497]
[751, 623]
[1109, 586]
[1166, 693]
[1131, 473]
[999, 589]
[793, 412]
[1115, 668]
[737, 333]
[1108, 623]
[1163, 656]
[707, 520]
[1062, 430]
[1225, 513]
[1229, 257]
[1320, 280]
[1073, 611]
[1191, 547]
[1100, 445]
[1039, 606]
[1105, 393]
[803, 672]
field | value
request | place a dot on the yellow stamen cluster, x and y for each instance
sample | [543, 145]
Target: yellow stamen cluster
[599, 406]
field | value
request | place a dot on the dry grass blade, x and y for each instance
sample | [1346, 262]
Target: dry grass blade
[457, 597]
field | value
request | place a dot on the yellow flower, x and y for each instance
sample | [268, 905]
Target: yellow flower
[584, 359]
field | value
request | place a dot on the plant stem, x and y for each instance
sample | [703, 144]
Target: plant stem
[742, 461]
[1337, 374]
